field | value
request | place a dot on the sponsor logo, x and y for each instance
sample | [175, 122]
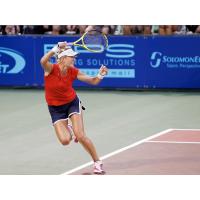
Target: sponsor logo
[113, 50]
[116, 55]
[155, 59]
[158, 58]
[11, 61]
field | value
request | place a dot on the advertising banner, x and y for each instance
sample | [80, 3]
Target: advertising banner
[172, 62]
[134, 62]
[17, 66]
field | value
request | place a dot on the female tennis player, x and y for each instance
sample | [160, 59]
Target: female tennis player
[63, 103]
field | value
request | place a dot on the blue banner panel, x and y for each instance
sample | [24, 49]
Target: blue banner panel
[17, 67]
[172, 62]
[133, 62]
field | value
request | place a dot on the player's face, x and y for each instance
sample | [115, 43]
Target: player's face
[69, 60]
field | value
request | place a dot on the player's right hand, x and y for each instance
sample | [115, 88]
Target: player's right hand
[62, 45]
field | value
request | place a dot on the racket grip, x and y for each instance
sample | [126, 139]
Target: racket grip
[70, 44]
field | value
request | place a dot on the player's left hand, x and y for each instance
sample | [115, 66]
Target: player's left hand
[103, 70]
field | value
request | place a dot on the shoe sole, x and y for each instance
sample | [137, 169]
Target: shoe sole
[100, 173]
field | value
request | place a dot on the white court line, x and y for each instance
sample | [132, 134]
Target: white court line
[171, 142]
[186, 129]
[119, 151]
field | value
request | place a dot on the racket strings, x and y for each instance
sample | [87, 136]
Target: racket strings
[95, 41]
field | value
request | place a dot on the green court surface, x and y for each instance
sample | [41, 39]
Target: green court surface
[113, 120]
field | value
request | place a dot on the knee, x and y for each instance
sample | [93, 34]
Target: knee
[80, 136]
[65, 142]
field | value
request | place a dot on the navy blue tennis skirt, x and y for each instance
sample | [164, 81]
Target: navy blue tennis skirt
[63, 112]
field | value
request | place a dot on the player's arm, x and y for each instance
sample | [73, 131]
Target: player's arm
[47, 66]
[93, 80]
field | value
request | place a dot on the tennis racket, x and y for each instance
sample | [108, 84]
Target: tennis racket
[93, 40]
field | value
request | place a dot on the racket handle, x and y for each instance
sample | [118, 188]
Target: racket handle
[70, 44]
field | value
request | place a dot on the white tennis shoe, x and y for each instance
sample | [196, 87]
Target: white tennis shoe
[98, 167]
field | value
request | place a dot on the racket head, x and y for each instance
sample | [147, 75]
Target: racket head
[94, 41]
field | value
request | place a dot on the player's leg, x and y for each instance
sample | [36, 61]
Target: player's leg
[59, 118]
[71, 131]
[78, 129]
[63, 132]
